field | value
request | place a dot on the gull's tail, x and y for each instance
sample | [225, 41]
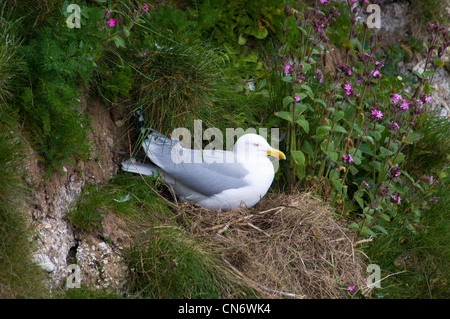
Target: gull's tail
[135, 166]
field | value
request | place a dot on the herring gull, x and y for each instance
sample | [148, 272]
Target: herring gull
[214, 179]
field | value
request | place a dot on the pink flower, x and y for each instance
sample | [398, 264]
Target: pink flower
[395, 98]
[348, 158]
[111, 22]
[107, 12]
[366, 184]
[427, 98]
[296, 98]
[347, 88]
[351, 288]
[376, 114]
[420, 104]
[323, 1]
[319, 29]
[375, 74]
[395, 126]
[404, 105]
[378, 63]
[395, 198]
[287, 69]
[318, 72]
[145, 7]
[431, 181]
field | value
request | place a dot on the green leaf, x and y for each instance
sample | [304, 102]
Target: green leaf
[306, 147]
[303, 123]
[380, 128]
[360, 202]
[299, 108]
[285, 116]
[126, 32]
[260, 33]
[287, 79]
[413, 137]
[333, 156]
[369, 139]
[241, 40]
[302, 30]
[298, 157]
[353, 225]
[306, 87]
[426, 88]
[337, 185]
[366, 231]
[413, 182]
[322, 130]
[300, 172]
[340, 129]
[301, 95]
[400, 158]
[353, 169]
[427, 74]
[417, 74]
[376, 135]
[381, 229]
[385, 152]
[287, 100]
[437, 62]
[120, 43]
[338, 115]
[367, 149]
[320, 102]
[377, 165]
[306, 67]
[356, 42]
[261, 85]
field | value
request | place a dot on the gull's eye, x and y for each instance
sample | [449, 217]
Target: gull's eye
[256, 144]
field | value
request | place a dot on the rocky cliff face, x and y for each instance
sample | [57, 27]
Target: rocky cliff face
[58, 243]
[398, 24]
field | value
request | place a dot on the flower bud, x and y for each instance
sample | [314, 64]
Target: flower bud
[394, 172]
[287, 11]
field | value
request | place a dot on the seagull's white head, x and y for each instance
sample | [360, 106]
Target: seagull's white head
[253, 145]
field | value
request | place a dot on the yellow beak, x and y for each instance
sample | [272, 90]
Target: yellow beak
[276, 153]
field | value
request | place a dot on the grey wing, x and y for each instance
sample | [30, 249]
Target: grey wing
[209, 179]
[206, 178]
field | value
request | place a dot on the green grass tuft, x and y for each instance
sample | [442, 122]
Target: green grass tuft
[170, 264]
[165, 261]
[19, 276]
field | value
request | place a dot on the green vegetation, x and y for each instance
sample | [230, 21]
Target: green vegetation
[172, 265]
[126, 195]
[166, 261]
[20, 277]
[362, 137]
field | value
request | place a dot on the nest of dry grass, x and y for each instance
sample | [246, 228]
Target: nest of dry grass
[289, 246]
